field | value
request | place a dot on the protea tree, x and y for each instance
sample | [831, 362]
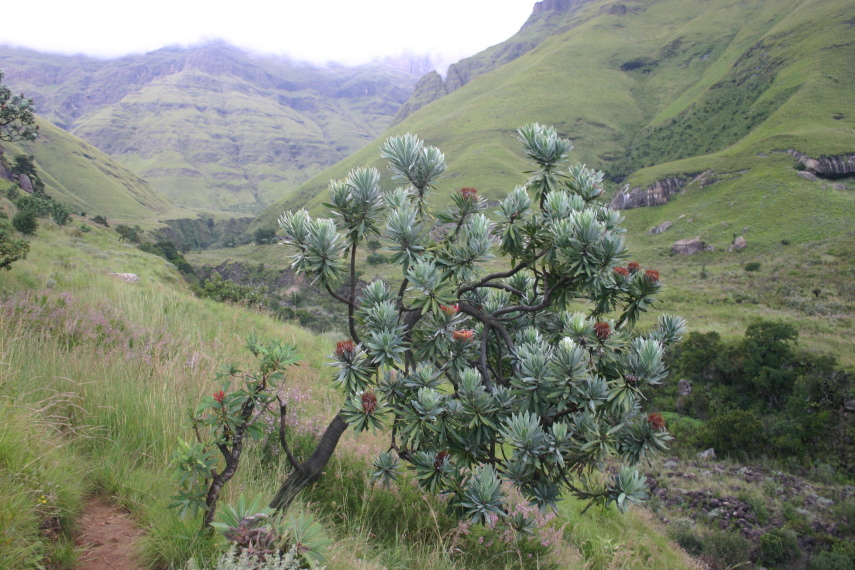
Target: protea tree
[532, 374]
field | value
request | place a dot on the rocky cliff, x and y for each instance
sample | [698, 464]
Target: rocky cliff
[546, 18]
[655, 195]
[827, 166]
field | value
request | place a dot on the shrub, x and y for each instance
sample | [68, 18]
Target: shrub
[263, 236]
[778, 546]
[727, 549]
[752, 266]
[831, 561]
[734, 431]
[101, 220]
[25, 222]
[377, 259]
[682, 531]
[785, 241]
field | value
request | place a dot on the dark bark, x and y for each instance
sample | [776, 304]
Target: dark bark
[310, 470]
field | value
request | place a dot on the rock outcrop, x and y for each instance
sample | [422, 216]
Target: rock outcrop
[664, 226]
[827, 166]
[656, 195]
[690, 246]
[428, 89]
[738, 243]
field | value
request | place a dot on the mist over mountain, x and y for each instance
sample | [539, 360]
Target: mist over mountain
[213, 126]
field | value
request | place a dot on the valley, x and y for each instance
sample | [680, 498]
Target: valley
[205, 207]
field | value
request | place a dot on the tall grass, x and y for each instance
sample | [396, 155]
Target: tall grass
[96, 382]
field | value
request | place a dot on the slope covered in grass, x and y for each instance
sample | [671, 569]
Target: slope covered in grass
[98, 376]
[87, 179]
[640, 85]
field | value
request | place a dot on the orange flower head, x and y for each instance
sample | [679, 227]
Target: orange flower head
[450, 310]
[440, 460]
[463, 335]
[469, 193]
[652, 276]
[622, 271]
[602, 330]
[218, 396]
[633, 267]
[343, 346]
[369, 402]
[656, 421]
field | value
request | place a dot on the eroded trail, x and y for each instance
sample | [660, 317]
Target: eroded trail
[109, 536]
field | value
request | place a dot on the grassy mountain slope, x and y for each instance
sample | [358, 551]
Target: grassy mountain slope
[643, 84]
[87, 179]
[213, 127]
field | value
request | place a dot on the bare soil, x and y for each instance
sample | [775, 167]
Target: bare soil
[109, 536]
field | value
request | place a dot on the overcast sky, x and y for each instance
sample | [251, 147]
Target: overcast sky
[313, 30]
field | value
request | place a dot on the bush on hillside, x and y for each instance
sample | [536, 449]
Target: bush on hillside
[25, 222]
[43, 206]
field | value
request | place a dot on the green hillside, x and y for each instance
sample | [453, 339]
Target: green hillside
[213, 127]
[87, 179]
[645, 89]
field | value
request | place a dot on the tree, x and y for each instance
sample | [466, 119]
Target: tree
[531, 374]
[25, 164]
[17, 121]
[11, 249]
[263, 236]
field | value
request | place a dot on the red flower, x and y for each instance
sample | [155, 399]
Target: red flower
[369, 402]
[463, 335]
[469, 193]
[343, 346]
[449, 310]
[622, 271]
[440, 460]
[218, 396]
[656, 421]
[633, 266]
[652, 276]
[603, 330]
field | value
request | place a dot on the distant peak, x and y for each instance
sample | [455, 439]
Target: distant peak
[545, 6]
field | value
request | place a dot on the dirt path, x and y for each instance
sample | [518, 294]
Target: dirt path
[109, 536]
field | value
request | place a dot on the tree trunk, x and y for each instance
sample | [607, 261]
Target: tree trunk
[310, 470]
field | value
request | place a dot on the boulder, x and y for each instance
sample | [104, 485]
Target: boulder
[807, 175]
[707, 455]
[25, 183]
[684, 388]
[690, 246]
[660, 228]
[738, 243]
[129, 277]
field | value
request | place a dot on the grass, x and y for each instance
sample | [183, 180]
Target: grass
[97, 380]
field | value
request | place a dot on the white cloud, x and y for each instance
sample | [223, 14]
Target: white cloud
[335, 30]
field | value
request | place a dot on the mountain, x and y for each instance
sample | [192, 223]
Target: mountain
[646, 89]
[86, 178]
[212, 126]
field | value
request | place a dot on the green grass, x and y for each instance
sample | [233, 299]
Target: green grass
[102, 412]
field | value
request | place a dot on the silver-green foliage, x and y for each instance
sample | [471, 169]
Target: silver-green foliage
[533, 374]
